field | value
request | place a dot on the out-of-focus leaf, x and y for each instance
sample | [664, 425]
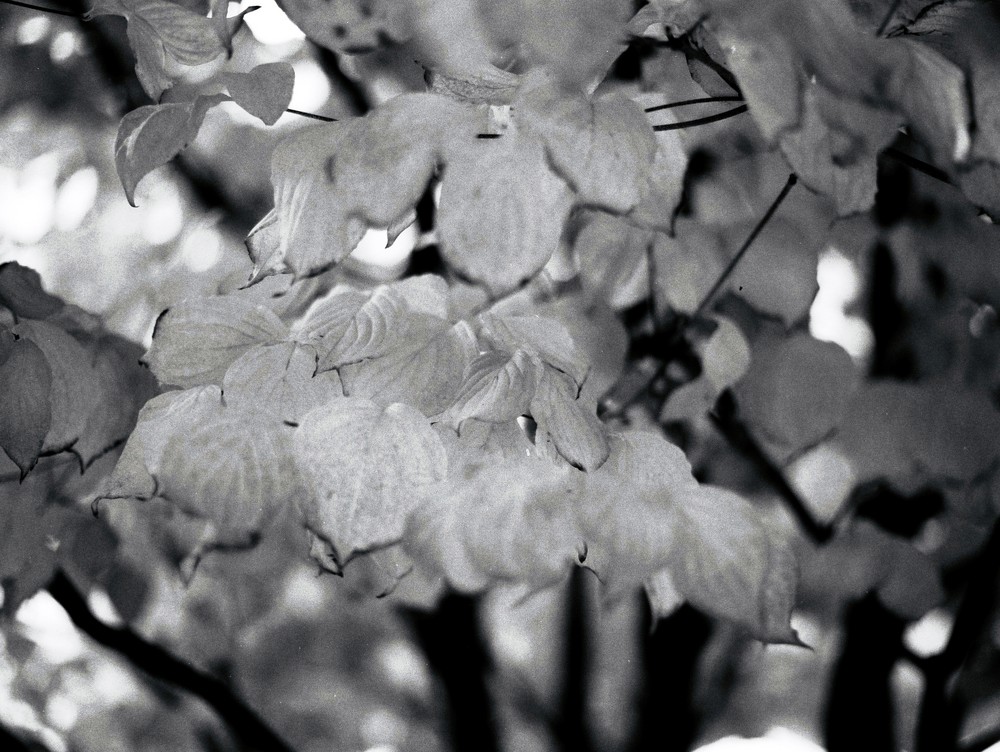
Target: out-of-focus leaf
[75, 387]
[726, 562]
[795, 392]
[21, 291]
[603, 148]
[894, 430]
[25, 409]
[537, 335]
[159, 31]
[502, 210]
[570, 420]
[497, 387]
[226, 27]
[280, 378]
[778, 276]
[664, 186]
[368, 467]
[197, 340]
[612, 256]
[508, 521]
[151, 136]
[264, 92]
[424, 369]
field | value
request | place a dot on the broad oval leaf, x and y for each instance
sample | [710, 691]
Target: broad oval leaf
[480, 528]
[541, 336]
[196, 341]
[367, 468]
[502, 210]
[264, 92]
[497, 387]
[25, 409]
[570, 420]
[151, 136]
[725, 561]
[603, 148]
[21, 291]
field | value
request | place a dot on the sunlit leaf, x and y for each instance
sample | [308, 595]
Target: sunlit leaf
[570, 420]
[541, 336]
[197, 340]
[368, 467]
[497, 387]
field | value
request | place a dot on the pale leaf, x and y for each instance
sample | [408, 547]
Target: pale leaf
[264, 92]
[570, 420]
[367, 467]
[497, 387]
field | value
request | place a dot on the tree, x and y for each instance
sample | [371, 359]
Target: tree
[599, 386]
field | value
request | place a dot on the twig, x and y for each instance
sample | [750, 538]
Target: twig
[701, 121]
[701, 100]
[244, 723]
[43, 9]
[312, 115]
[740, 439]
[918, 164]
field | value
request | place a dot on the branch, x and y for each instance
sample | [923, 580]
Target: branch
[42, 8]
[243, 722]
[740, 439]
[700, 100]
[702, 120]
[571, 725]
[918, 164]
[312, 115]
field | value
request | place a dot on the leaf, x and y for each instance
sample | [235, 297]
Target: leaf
[627, 516]
[21, 291]
[611, 256]
[151, 136]
[541, 336]
[570, 420]
[75, 389]
[725, 562]
[160, 31]
[25, 409]
[279, 378]
[603, 148]
[502, 210]
[264, 92]
[197, 340]
[367, 467]
[480, 528]
[222, 467]
[497, 387]
[899, 431]
[424, 369]
[334, 181]
[353, 26]
[124, 386]
[225, 28]
[795, 392]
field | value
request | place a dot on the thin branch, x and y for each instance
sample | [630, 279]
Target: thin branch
[43, 9]
[702, 100]
[244, 723]
[792, 180]
[918, 164]
[888, 17]
[312, 115]
[740, 439]
[701, 121]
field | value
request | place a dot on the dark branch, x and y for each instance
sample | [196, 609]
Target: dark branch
[918, 164]
[701, 100]
[701, 121]
[571, 728]
[312, 115]
[43, 9]
[244, 723]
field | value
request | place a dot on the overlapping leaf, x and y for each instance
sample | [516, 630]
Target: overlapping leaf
[162, 33]
[497, 387]
[25, 410]
[197, 340]
[21, 291]
[151, 136]
[569, 419]
[367, 468]
[482, 527]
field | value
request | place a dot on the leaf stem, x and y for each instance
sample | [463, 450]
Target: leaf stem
[244, 723]
[43, 9]
[312, 115]
[918, 164]
[701, 100]
[701, 121]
